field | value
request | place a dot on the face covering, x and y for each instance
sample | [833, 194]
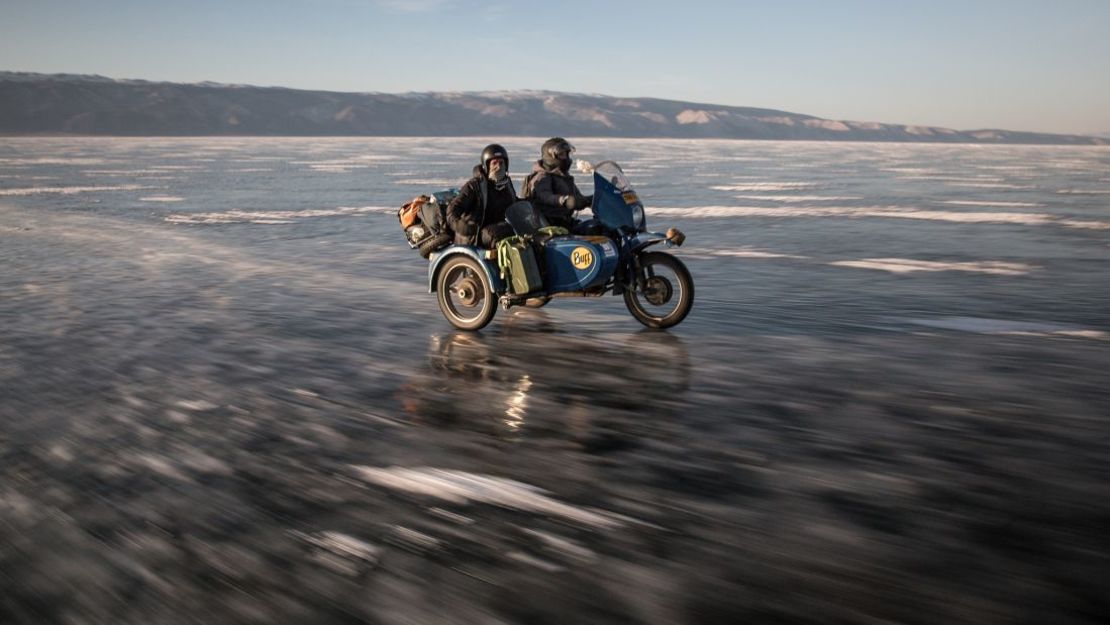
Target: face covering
[499, 178]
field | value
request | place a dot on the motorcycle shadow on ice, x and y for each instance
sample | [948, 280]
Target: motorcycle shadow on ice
[537, 381]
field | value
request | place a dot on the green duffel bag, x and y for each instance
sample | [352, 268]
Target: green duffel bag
[518, 265]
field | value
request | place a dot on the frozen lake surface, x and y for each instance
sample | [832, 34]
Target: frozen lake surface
[226, 395]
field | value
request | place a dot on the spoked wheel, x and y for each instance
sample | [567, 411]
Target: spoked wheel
[464, 294]
[663, 292]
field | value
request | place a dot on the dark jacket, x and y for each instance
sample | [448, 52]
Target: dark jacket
[546, 191]
[465, 216]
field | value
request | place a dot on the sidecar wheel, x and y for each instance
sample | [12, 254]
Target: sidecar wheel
[464, 293]
[663, 293]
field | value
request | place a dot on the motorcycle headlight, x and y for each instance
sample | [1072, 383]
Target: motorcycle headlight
[638, 216]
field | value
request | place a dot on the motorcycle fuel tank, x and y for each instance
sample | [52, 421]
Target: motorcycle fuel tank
[578, 263]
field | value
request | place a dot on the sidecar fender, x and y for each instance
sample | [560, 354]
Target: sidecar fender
[438, 258]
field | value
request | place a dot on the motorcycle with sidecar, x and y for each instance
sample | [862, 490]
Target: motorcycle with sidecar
[470, 282]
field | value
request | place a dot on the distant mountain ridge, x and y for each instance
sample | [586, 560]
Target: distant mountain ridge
[35, 104]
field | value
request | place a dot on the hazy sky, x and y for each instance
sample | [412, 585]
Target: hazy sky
[1014, 64]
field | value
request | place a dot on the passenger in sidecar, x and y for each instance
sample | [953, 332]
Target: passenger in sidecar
[477, 214]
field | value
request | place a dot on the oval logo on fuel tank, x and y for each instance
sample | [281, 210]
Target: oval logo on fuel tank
[582, 258]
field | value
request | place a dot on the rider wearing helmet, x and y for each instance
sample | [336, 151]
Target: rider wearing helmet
[477, 214]
[551, 188]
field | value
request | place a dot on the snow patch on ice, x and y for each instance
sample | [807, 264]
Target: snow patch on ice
[162, 198]
[53, 161]
[991, 203]
[196, 405]
[799, 198]
[1085, 224]
[1030, 219]
[895, 212]
[344, 545]
[461, 487]
[946, 178]
[272, 217]
[69, 190]
[988, 185]
[742, 252]
[763, 186]
[430, 182]
[906, 265]
[983, 325]
[119, 173]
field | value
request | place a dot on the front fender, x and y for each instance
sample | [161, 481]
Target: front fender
[437, 259]
[645, 239]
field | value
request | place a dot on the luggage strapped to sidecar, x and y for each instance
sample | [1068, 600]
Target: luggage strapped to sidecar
[424, 221]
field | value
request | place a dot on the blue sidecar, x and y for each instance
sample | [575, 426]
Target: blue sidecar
[656, 286]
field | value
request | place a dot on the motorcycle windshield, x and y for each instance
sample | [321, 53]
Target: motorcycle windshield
[613, 174]
[615, 201]
[525, 218]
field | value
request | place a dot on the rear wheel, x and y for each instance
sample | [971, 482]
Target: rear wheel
[663, 292]
[464, 293]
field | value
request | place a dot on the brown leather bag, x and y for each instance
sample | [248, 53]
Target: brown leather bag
[410, 211]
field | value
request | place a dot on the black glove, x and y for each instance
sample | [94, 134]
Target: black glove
[577, 202]
[465, 228]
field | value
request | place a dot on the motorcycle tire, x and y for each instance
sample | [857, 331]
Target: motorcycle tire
[664, 300]
[463, 291]
[434, 243]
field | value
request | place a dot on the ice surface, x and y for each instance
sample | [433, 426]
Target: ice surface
[189, 409]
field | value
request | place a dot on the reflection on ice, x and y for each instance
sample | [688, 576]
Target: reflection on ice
[523, 371]
[517, 403]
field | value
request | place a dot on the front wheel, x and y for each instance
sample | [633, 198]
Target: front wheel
[663, 291]
[464, 293]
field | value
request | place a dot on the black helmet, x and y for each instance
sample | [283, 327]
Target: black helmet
[492, 151]
[556, 152]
